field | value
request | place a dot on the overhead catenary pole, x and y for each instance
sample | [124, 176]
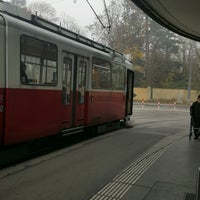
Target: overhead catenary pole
[190, 70]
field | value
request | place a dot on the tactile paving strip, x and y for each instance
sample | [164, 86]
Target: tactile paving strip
[120, 184]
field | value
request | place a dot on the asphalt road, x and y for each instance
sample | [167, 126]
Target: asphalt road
[78, 172]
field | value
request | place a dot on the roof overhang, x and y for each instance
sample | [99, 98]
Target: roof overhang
[180, 16]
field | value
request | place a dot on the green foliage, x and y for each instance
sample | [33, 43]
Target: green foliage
[160, 55]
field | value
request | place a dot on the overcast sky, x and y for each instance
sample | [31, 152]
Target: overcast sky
[78, 9]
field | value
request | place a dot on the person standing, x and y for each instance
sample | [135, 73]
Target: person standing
[24, 77]
[195, 117]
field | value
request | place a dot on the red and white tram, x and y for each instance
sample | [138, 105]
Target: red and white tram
[55, 81]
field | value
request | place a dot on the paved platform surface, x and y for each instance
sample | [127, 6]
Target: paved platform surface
[173, 176]
[155, 160]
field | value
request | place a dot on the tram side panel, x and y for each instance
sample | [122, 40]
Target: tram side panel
[98, 109]
[32, 106]
[32, 115]
[118, 105]
[2, 77]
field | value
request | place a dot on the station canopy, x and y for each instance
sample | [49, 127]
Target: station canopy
[180, 16]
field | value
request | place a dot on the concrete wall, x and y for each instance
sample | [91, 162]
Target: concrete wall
[158, 94]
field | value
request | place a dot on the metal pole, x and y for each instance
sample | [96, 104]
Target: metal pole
[190, 70]
[198, 185]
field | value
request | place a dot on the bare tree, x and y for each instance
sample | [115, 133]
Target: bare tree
[19, 3]
[107, 36]
[70, 23]
[44, 10]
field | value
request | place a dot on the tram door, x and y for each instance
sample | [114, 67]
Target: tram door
[73, 90]
[129, 94]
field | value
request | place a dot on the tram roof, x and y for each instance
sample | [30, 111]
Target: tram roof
[180, 16]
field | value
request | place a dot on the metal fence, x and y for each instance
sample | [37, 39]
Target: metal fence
[159, 106]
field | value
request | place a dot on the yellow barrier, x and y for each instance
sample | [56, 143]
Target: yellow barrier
[164, 95]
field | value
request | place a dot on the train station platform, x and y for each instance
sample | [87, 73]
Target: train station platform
[174, 176]
[168, 171]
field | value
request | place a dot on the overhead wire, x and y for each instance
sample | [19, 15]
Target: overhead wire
[95, 14]
[106, 11]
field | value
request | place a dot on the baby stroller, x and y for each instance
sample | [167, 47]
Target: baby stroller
[194, 130]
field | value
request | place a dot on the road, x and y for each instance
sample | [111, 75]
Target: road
[80, 171]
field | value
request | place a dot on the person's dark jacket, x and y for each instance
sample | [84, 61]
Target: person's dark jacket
[195, 113]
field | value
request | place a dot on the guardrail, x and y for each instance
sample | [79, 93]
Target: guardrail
[159, 106]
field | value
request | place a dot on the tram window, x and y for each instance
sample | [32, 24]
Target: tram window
[101, 74]
[67, 80]
[118, 76]
[40, 58]
[81, 81]
[49, 72]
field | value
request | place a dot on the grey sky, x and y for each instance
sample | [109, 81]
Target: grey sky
[78, 9]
